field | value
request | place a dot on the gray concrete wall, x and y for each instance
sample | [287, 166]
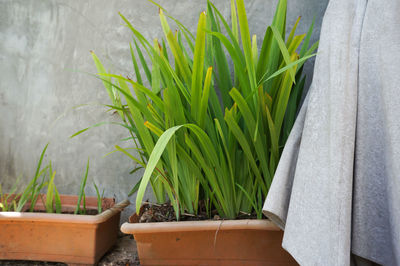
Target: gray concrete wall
[44, 48]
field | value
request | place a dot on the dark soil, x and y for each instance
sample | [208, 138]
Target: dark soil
[88, 212]
[150, 212]
[123, 253]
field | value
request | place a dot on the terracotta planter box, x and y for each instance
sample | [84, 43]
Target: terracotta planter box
[232, 242]
[68, 238]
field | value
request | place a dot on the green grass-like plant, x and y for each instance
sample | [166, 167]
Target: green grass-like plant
[32, 190]
[194, 145]
[44, 180]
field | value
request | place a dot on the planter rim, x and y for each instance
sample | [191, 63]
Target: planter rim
[68, 218]
[165, 227]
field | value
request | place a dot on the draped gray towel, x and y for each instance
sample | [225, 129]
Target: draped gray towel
[336, 192]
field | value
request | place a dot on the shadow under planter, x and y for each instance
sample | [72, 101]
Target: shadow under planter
[231, 242]
[68, 238]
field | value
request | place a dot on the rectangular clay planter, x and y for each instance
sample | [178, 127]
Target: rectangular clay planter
[231, 242]
[68, 238]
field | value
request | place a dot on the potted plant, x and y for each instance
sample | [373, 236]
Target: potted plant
[54, 227]
[211, 157]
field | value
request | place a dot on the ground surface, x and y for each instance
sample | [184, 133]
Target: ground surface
[123, 253]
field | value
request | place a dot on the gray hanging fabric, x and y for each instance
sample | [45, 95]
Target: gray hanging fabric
[336, 192]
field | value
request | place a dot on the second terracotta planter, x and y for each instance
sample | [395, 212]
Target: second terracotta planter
[69, 238]
[232, 242]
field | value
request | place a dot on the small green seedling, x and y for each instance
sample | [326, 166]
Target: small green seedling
[31, 192]
[99, 198]
[52, 202]
[52, 195]
[82, 196]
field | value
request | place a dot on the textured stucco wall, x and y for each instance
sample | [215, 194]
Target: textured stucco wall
[44, 50]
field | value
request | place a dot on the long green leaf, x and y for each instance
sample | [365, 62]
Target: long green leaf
[245, 35]
[151, 164]
[198, 62]
[57, 200]
[284, 50]
[99, 198]
[50, 194]
[204, 98]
